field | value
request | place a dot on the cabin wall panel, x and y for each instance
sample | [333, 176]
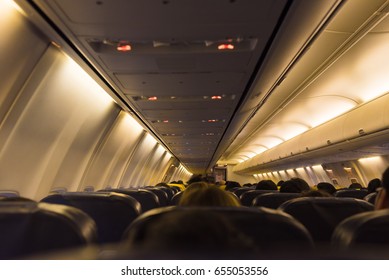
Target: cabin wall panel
[53, 127]
[110, 160]
[139, 157]
[21, 47]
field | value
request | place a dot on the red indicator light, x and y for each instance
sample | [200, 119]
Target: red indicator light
[211, 121]
[123, 47]
[225, 47]
[165, 121]
[152, 98]
[216, 97]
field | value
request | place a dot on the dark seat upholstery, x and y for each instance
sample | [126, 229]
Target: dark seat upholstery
[246, 198]
[370, 228]
[267, 230]
[30, 228]
[241, 190]
[163, 197]
[146, 198]
[169, 191]
[371, 197]
[176, 198]
[320, 215]
[360, 194]
[273, 200]
[112, 212]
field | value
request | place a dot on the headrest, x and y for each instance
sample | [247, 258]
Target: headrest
[320, 215]
[112, 212]
[30, 227]
[266, 230]
[363, 229]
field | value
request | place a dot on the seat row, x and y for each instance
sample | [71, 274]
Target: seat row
[273, 199]
[82, 218]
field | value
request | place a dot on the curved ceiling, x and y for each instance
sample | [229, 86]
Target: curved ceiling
[222, 81]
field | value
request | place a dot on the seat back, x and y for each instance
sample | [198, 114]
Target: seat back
[371, 197]
[273, 200]
[266, 230]
[370, 228]
[112, 212]
[31, 227]
[320, 215]
[176, 198]
[241, 190]
[246, 198]
[163, 197]
[169, 191]
[146, 198]
[354, 193]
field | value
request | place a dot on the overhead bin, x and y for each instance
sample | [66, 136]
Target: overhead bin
[361, 121]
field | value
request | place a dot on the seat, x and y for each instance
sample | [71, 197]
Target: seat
[112, 212]
[354, 193]
[169, 191]
[246, 198]
[265, 230]
[370, 228]
[241, 190]
[163, 197]
[371, 197]
[273, 200]
[320, 215]
[176, 198]
[147, 199]
[31, 227]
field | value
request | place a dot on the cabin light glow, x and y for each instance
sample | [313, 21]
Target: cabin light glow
[123, 47]
[84, 83]
[216, 97]
[152, 98]
[370, 160]
[225, 47]
[8, 6]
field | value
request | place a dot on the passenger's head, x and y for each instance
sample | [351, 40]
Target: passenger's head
[373, 185]
[326, 187]
[193, 233]
[382, 199]
[232, 184]
[294, 185]
[266, 185]
[201, 194]
[355, 186]
[195, 178]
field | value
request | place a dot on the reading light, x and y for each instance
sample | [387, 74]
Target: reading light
[152, 98]
[216, 97]
[123, 47]
[225, 47]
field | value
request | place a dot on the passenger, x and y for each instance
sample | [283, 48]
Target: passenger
[326, 187]
[231, 185]
[382, 199]
[356, 186]
[266, 185]
[195, 178]
[162, 184]
[194, 233]
[279, 184]
[295, 185]
[373, 185]
[201, 194]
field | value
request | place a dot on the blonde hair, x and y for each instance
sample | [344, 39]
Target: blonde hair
[202, 194]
